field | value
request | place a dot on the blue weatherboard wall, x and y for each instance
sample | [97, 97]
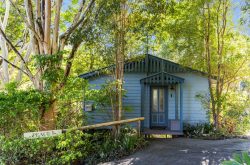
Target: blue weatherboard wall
[132, 100]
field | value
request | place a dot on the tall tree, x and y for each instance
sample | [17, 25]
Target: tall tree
[221, 9]
[201, 35]
[219, 56]
[47, 43]
[120, 32]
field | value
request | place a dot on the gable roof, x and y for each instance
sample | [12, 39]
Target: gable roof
[144, 64]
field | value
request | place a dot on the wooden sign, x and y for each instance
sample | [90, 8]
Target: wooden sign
[42, 134]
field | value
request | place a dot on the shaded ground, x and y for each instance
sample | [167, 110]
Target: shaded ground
[182, 151]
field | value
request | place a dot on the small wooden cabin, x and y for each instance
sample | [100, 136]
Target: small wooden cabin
[163, 92]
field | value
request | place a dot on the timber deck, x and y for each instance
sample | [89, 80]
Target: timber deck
[160, 132]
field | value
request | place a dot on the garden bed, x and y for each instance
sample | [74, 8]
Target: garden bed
[72, 147]
[207, 132]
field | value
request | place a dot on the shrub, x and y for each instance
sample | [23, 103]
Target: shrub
[71, 147]
[197, 130]
[239, 159]
[61, 150]
[70, 104]
[206, 131]
[107, 148]
[234, 113]
[19, 110]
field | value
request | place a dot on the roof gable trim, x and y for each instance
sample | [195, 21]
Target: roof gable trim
[162, 78]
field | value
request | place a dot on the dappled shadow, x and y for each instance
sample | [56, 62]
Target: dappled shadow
[188, 158]
[186, 151]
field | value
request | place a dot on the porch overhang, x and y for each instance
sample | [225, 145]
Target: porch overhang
[162, 78]
[165, 79]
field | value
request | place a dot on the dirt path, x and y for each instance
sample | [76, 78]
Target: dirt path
[182, 151]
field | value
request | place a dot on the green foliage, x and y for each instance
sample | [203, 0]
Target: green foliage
[208, 132]
[181, 38]
[70, 103]
[236, 113]
[104, 98]
[69, 98]
[19, 110]
[197, 130]
[56, 150]
[68, 14]
[72, 147]
[15, 23]
[49, 64]
[96, 55]
[107, 148]
[239, 159]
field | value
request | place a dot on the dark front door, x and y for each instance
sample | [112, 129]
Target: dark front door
[158, 107]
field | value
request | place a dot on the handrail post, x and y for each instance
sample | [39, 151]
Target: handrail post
[139, 128]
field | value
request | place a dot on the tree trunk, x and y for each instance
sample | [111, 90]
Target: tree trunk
[48, 120]
[215, 92]
[120, 55]
[47, 46]
[5, 67]
[92, 60]
[3, 44]
[207, 45]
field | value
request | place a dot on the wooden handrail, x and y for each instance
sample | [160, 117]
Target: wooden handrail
[50, 133]
[139, 119]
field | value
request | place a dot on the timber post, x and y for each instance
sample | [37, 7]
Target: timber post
[139, 128]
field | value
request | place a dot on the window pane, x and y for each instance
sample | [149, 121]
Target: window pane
[161, 118]
[155, 100]
[154, 118]
[161, 101]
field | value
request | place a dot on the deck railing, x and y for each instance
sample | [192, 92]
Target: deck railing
[112, 123]
[49, 133]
